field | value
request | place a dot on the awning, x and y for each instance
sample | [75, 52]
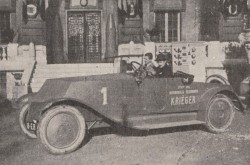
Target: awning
[8, 5]
[166, 5]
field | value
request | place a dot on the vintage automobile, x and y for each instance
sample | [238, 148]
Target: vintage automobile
[63, 110]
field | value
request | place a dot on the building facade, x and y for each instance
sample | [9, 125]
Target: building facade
[94, 31]
[77, 31]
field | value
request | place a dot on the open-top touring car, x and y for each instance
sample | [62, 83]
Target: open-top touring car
[64, 109]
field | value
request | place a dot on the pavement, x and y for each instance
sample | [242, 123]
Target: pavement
[191, 145]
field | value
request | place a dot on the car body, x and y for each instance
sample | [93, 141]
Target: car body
[64, 109]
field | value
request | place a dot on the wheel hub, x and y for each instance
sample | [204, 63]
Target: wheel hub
[62, 130]
[220, 114]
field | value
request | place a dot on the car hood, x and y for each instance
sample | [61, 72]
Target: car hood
[61, 87]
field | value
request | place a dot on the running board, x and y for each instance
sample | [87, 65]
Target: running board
[167, 125]
[163, 120]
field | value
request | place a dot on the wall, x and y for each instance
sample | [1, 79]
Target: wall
[201, 21]
[210, 17]
[190, 19]
[32, 30]
[148, 16]
[40, 32]
[109, 6]
[230, 28]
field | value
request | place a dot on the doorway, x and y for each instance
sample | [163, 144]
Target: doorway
[84, 36]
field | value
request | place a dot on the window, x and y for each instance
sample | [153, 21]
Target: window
[168, 25]
[246, 22]
[6, 34]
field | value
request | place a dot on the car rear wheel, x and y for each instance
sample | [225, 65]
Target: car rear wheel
[220, 114]
[22, 122]
[62, 129]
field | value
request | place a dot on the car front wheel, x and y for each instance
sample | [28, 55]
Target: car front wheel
[220, 113]
[62, 129]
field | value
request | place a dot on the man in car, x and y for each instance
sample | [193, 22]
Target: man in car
[149, 65]
[164, 69]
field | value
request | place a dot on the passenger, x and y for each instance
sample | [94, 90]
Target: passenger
[164, 69]
[149, 65]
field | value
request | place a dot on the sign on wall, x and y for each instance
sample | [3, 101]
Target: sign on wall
[93, 4]
[83, 3]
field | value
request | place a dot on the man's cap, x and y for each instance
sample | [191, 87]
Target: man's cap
[161, 57]
[149, 55]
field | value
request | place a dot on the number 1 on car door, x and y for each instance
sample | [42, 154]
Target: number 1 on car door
[104, 92]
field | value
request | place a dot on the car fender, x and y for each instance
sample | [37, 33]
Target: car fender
[90, 113]
[18, 104]
[217, 78]
[210, 93]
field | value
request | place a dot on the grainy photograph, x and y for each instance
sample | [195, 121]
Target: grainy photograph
[125, 82]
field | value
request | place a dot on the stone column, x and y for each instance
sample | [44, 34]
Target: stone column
[32, 51]
[12, 51]
[19, 19]
[10, 83]
[111, 22]
[111, 45]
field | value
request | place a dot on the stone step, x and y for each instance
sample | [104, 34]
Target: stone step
[42, 78]
[131, 31]
[133, 23]
[86, 65]
[72, 70]
[134, 38]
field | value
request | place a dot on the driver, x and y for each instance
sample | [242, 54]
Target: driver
[149, 65]
[164, 69]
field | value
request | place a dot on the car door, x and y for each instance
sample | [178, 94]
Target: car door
[148, 97]
[182, 97]
[159, 96]
[143, 98]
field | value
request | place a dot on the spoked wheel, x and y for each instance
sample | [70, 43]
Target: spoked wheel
[22, 122]
[220, 114]
[62, 129]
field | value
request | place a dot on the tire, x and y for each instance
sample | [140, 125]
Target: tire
[220, 114]
[62, 129]
[22, 122]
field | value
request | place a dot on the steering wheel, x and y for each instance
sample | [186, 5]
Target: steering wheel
[139, 71]
[134, 65]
